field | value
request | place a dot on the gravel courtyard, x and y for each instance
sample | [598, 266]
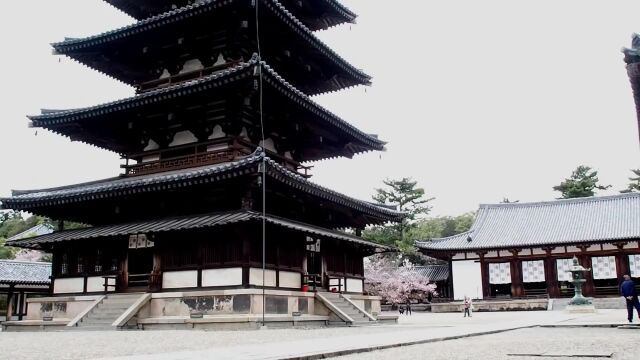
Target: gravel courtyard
[103, 344]
[624, 344]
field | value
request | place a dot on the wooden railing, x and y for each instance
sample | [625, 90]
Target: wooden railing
[314, 281]
[107, 285]
[339, 287]
[185, 76]
[182, 162]
[230, 149]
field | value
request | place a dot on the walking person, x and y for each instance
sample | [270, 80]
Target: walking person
[467, 306]
[628, 291]
[408, 308]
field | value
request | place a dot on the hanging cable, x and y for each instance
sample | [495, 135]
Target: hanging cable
[264, 162]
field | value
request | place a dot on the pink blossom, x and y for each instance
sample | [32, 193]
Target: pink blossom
[396, 284]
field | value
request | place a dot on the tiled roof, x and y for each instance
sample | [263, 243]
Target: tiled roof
[53, 118]
[182, 223]
[24, 273]
[120, 186]
[135, 9]
[40, 229]
[74, 44]
[571, 221]
[434, 272]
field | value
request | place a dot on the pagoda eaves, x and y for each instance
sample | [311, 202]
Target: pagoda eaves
[49, 202]
[169, 44]
[315, 14]
[112, 125]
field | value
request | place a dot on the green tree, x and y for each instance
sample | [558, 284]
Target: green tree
[634, 185]
[406, 197]
[442, 226]
[582, 183]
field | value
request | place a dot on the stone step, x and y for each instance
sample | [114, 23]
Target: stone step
[97, 321]
[92, 328]
[107, 311]
[100, 318]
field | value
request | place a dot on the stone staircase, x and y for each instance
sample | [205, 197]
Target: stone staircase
[599, 303]
[358, 316]
[106, 312]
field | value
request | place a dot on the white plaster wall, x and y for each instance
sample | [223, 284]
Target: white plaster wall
[222, 277]
[217, 133]
[491, 254]
[290, 279]
[179, 279]
[183, 137]
[96, 284]
[354, 286]
[268, 144]
[68, 285]
[539, 251]
[458, 256]
[467, 279]
[255, 277]
[631, 245]
[572, 249]
[558, 250]
[152, 145]
[473, 256]
[191, 65]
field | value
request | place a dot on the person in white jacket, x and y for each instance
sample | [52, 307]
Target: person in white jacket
[467, 306]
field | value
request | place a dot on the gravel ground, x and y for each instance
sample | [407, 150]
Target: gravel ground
[98, 344]
[624, 344]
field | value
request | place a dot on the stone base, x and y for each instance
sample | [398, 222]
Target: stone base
[580, 309]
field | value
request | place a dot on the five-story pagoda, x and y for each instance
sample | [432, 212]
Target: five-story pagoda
[183, 223]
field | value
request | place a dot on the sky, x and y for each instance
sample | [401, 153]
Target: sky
[478, 100]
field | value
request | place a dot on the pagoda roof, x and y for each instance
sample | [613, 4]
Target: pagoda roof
[549, 223]
[316, 14]
[186, 223]
[86, 50]
[62, 121]
[120, 186]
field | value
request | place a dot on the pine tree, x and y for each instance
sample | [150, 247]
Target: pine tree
[582, 183]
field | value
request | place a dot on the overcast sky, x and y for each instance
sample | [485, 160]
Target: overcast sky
[479, 100]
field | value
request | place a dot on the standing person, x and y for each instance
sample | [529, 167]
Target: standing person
[628, 291]
[409, 307]
[467, 306]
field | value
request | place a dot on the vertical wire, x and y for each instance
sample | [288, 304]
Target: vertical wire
[264, 163]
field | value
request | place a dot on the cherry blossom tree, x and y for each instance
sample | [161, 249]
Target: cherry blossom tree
[29, 255]
[396, 284]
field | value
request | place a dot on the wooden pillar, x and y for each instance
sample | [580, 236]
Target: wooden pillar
[589, 288]
[517, 287]
[246, 257]
[21, 305]
[10, 303]
[622, 261]
[450, 278]
[551, 274]
[484, 273]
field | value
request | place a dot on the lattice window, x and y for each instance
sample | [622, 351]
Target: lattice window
[533, 271]
[98, 265]
[500, 273]
[64, 265]
[563, 266]
[604, 267]
[80, 267]
[634, 265]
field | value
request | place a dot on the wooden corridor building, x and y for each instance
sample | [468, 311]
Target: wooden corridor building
[525, 249]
